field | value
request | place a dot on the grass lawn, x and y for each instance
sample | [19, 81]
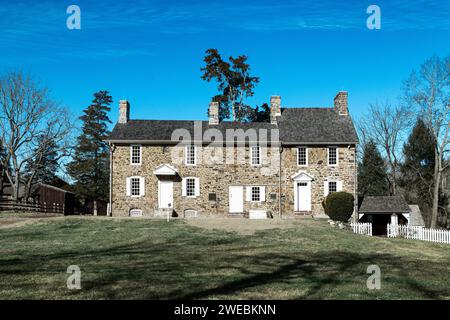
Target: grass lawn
[151, 259]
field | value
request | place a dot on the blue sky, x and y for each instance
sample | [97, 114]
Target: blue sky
[150, 52]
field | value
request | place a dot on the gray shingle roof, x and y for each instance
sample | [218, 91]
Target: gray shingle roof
[161, 130]
[384, 204]
[296, 125]
[320, 125]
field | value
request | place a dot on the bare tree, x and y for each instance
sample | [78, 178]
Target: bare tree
[387, 126]
[28, 119]
[428, 91]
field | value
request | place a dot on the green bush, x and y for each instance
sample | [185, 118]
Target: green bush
[339, 206]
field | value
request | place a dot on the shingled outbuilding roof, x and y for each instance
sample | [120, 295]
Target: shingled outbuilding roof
[296, 125]
[384, 204]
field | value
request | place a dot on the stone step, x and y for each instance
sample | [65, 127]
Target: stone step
[302, 213]
[162, 212]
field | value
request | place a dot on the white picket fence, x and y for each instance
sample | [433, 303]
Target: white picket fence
[362, 228]
[418, 233]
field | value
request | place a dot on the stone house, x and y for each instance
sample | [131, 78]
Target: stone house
[280, 168]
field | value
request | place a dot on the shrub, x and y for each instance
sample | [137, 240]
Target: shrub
[339, 206]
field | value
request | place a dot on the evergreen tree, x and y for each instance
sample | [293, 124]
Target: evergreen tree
[90, 165]
[372, 174]
[259, 114]
[418, 167]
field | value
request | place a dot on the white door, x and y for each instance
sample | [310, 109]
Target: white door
[236, 199]
[303, 196]
[165, 194]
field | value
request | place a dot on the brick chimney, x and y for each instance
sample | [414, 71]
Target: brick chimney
[213, 112]
[275, 108]
[341, 103]
[124, 111]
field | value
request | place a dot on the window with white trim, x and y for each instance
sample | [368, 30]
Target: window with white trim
[256, 194]
[190, 155]
[135, 154]
[332, 156]
[255, 156]
[302, 156]
[190, 187]
[332, 187]
[135, 186]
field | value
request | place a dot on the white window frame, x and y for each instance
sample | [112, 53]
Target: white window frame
[196, 187]
[190, 186]
[131, 154]
[337, 156]
[251, 193]
[306, 156]
[336, 185]
[326, 186]
[252, 148]
[262, 194]
[186, 155]
[129, 184]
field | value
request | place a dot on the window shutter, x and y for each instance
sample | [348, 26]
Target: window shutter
[262, 191]
[325, 188]
[339, 186]
[183, 187]
[248, 193]
[260, 156]
[142, 186]
[197, 187]
[128, 186]
[195, 155]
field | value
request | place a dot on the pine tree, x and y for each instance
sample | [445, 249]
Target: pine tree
[90, 165]
[372, 173]
[418, 167]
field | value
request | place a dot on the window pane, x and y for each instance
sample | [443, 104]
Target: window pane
[332, 187]
[332, 156]
[256, 194]
[190, 154]
[135, 154]
[256, 157]
[135, 187]
[301, 156]
[190, 187]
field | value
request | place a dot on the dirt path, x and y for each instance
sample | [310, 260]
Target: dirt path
[244, 226]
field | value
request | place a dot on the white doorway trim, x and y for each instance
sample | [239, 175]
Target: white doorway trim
[302, 185]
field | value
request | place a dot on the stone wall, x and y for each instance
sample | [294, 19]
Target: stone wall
[320, 171]
[214, 176]
[218, 176]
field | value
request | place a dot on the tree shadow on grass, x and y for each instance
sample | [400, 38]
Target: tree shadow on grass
[320, 273]
[185, 269]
